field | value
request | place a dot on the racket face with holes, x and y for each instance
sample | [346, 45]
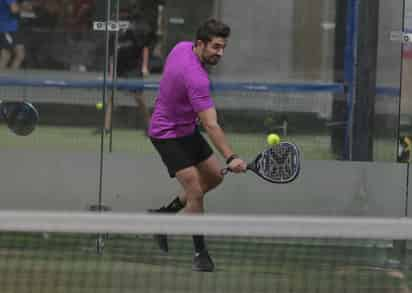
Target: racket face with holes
[21, 117]
[278, 164]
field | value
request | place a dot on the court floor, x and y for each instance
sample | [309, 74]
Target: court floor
[132, 263]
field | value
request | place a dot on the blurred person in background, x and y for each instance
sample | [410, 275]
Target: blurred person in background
[150, 12]
[12, 50]
[80, 37]
[81, 14]
[132, 60]
[33, 38]
[44, 40]
[47, 14]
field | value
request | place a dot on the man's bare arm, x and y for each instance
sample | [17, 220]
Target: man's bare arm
[215, 132]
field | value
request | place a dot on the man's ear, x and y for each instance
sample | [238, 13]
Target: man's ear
[199, 44]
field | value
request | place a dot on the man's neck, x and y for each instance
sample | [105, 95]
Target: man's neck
[198, 54]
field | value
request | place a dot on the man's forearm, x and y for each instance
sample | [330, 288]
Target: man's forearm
[218, 138]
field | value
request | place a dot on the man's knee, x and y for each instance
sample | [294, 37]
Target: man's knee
[212, 181]
[193, 191]
[191, 184]
[5, 55]
[20, 52]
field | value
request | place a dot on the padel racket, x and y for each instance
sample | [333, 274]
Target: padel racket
[278, 164]
[21, 117]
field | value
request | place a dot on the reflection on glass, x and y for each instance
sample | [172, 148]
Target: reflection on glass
[273, 42]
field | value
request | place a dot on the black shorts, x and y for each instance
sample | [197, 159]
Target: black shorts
[10, 40]
[183, 152]
[129, 70]
[126, 68]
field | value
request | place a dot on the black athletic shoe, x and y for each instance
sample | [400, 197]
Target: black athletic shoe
[160, 239]
[202, 262]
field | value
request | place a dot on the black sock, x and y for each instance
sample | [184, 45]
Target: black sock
[173, 207]
[199, 243]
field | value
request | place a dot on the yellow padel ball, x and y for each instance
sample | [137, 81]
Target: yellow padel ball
[273, 139]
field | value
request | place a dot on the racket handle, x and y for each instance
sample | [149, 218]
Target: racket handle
[227, 170]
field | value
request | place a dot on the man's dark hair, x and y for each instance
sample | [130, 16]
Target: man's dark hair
[212, 28]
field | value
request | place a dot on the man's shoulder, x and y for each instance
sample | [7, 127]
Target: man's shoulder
[183, 62]
[182, 49]
[183, 45]
[180, 57]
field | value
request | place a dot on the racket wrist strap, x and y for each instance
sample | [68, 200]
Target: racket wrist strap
[231, 158]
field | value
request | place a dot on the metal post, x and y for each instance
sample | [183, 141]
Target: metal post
[363, 102]
[99, 242]
[360, 77]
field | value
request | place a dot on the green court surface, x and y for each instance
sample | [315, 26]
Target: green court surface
[130, 263]
[51, 138]
[134, 142]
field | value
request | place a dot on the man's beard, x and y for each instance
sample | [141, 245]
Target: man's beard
[212, 60]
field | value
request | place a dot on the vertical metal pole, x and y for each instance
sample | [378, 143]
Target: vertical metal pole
[99, 244]
[104, 99]
[400, 246]
[114, 76]
[217, 8]
[363, 109]
[403, 29]
[327, 37]
[339, 65]
[360, 77]
[349, 72]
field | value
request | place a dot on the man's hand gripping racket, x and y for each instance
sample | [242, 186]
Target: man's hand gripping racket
[21, 117]
[277, 164]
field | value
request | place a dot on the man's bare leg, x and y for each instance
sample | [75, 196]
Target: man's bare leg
[19, 55]
[196, 182]
[190, 180]
[5, 57]
[209, 176]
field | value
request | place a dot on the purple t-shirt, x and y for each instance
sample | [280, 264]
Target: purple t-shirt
[184, 91]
